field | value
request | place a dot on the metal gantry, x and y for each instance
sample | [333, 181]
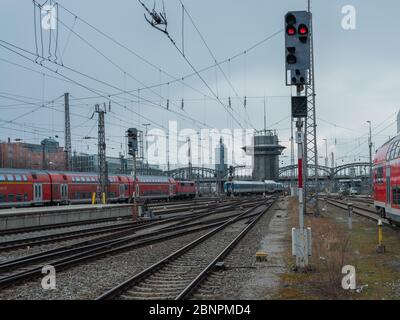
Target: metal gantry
[310, 128]
[102, 173]
[68, 145]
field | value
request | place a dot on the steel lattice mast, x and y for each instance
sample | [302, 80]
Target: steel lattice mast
[310, 128]
[102, 173]
[68, 146]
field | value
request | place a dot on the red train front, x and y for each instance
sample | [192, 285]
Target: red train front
[185, 189]
[386, 180]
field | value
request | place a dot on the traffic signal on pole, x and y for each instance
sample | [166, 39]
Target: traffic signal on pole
[132, 141]
[297, 47]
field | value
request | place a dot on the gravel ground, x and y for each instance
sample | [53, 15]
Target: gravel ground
[92, 279]
[27, 235]
[244, 277]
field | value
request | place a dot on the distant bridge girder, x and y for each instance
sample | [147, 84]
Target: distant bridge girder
[333, 173]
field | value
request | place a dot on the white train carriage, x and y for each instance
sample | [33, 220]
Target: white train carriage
[244, 187]
[252, 187]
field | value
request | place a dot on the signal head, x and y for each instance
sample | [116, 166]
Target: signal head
[291, 31]
[290, 19]
[291, 59]
[303, 30]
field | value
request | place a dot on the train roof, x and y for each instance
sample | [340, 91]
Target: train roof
[21, 171]
[153, 179]
[30, 171]
[247, 182]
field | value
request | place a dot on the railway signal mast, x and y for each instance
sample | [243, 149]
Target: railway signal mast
[297, 51]
[132, 134]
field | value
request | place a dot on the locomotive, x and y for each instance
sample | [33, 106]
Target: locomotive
[252, 187]
[19, 188]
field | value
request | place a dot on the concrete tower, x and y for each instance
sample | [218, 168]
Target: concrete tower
[265, 150]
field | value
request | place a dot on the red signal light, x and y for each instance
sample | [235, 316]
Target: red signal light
[291, 31]
[303, 30]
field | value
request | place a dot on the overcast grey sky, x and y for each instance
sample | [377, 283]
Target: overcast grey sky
[356, 70]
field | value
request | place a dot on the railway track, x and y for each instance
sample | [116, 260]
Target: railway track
[357, 209]
[27, 267]
[167, 208]
[178, 275]
[129, 227]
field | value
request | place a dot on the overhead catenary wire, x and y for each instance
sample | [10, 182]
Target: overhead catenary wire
[146, 61]
[126, 73]
[211, 53]
[202, 79]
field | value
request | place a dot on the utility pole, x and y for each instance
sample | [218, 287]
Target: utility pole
[189, 157]
[292, 156]
[168, 165]
[310, 130]
[68, 146]
[102, 173]
[44, 164]
[265, 117]
[370, 156]
[145, 125]
[200, 156]
[326, 152]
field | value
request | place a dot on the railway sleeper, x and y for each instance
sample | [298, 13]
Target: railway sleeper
[159, 288]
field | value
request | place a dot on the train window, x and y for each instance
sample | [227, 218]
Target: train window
[10, 198]
[18, 178]
[10, 177]
[2, 177]
[25, 177]
[379, 175]
[2, 198]
[393, 149]
[19, 197]
[396, 195]
[87, 179]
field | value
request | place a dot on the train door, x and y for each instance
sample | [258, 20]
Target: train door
[37, 192]
[64, 192]
[388, 186]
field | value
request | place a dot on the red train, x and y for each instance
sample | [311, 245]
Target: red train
[29, 187]
[386, 180]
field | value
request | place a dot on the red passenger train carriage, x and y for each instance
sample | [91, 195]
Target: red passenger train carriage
[154, 187]
[20, 188]
[23, 188]
[386, 180]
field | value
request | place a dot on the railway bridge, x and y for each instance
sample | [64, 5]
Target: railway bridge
[331, 176]
[208, 178]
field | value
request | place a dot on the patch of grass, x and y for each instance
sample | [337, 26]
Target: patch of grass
[335, 246]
